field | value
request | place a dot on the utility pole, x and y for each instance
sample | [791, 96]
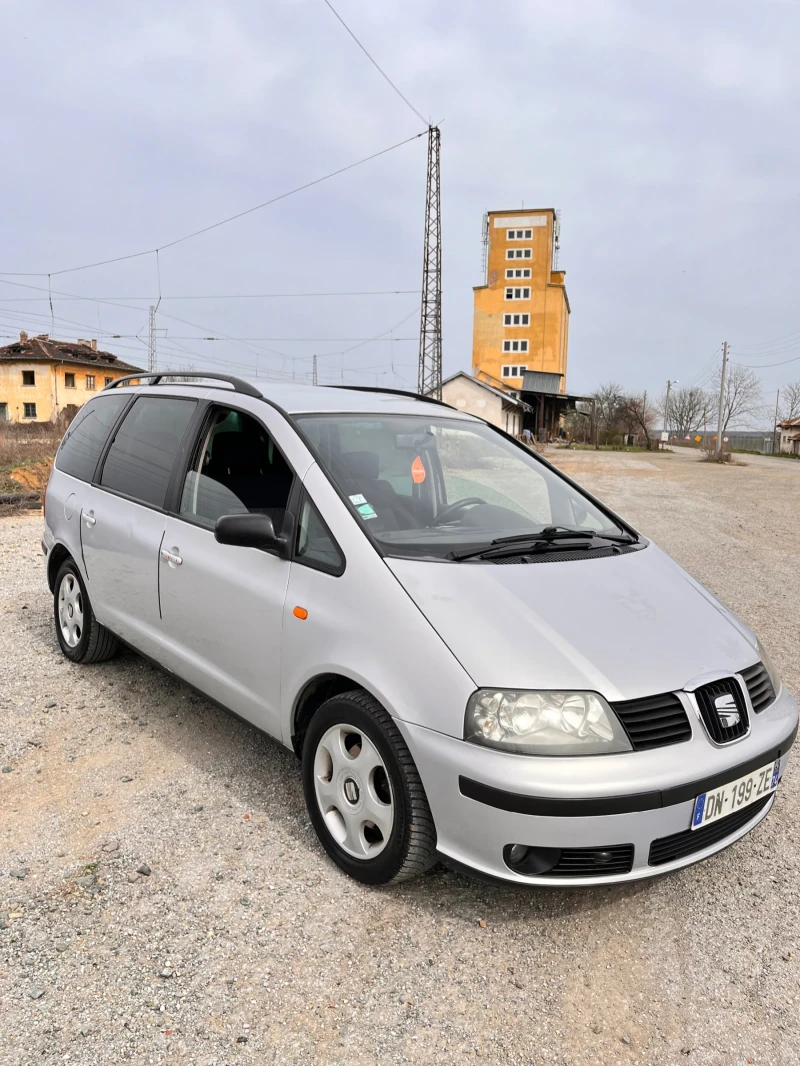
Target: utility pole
[430, 333]
[314, 371]
[666, 406]
[151, 347]
[775, 427]
[721, 409]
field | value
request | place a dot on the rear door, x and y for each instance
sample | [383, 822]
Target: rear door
[124, 515]
[222, 606]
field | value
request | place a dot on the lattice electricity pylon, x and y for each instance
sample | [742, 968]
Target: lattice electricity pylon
[430, 333]
[152, 357]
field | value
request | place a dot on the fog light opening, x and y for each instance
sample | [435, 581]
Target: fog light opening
[529, 861]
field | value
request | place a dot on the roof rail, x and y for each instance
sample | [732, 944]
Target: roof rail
[154, 378]
[393, 392]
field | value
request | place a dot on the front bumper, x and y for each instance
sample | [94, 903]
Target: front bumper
[483, 800]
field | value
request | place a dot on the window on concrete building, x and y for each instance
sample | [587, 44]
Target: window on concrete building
[516, 320]
[518, 272]
[29, 410]
[90, 382]
[518, 294]
[512, 371]
[69, 381]
[107, 381]
[28, 377]
[515, 346]
[520, 234]
[3, 412]
[518, 253]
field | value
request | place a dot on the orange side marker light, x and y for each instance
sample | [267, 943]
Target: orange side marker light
[301, 613]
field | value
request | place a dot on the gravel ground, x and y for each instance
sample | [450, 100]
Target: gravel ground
[163, 898]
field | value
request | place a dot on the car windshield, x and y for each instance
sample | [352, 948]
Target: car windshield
[431, 486]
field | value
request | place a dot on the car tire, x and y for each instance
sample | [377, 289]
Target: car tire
[364, 795]
[80, 635]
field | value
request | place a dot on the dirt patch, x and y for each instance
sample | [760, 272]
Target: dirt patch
[33, 477]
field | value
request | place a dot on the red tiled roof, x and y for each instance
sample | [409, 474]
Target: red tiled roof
[43, 349]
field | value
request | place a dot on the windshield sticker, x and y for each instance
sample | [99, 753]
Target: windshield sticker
[357, 499]
[366, 510]
[417, 471]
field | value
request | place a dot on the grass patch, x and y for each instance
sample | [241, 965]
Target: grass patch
[614, 448]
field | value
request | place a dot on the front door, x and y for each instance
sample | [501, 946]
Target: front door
[123, 518]
[221, 605]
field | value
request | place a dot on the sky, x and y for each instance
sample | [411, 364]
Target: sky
[666, 134]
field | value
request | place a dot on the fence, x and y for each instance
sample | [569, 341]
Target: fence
[748, 441]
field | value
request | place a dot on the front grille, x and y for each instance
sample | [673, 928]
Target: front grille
[679, 845]
[762, 694]
[567, 556]
[654, 721]
[715, 701]
[593, 862]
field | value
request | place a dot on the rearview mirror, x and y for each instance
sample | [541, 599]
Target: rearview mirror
[417, 442]
[247, 531]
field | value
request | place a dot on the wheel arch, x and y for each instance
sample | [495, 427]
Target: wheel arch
[313, 694]
[58, 555]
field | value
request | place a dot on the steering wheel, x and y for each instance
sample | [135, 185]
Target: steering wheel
[454, 508]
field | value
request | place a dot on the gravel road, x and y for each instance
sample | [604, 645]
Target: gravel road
[163, 898]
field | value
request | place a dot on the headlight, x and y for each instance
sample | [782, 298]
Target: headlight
[769, 666]
[544, 723]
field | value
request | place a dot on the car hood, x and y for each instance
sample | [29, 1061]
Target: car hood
[625, 626]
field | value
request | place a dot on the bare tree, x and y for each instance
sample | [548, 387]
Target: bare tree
[637, 415]
[608, 401]
[743, 400]
[790, 401]
[686, 407]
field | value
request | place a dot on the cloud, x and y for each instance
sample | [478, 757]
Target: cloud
[666, 134]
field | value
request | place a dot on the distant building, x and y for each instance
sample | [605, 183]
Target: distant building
[521, 312]
[42, 378]
[477, 397]
[790, 436]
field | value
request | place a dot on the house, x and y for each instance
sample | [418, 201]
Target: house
[495, 405]
[790, 436]
[42, 379]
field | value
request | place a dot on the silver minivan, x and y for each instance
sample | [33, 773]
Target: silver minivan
[474, 658]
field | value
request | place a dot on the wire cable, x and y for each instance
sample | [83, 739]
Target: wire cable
[375, 64]
[224, 221]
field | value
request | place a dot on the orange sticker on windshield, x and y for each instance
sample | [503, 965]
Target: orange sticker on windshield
[417, 471]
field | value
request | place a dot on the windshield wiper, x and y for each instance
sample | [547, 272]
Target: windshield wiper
[516, 545]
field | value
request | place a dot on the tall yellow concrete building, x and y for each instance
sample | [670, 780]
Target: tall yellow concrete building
[521, 317]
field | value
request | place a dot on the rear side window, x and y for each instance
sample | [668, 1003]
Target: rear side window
[84, 440]
[140, 459]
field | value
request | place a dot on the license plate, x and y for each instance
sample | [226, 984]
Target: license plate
[736, 794]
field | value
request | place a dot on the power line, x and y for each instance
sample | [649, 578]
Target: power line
[375, 64]
[232, 296]
[766, 366]
[222, 222]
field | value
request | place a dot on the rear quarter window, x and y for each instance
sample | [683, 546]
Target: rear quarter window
[85, 439]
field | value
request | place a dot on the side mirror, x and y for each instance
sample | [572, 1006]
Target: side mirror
[248, 531]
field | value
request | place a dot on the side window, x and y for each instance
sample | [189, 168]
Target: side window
[236, 469]
[84, 440]
[139, 462]
[315, 544]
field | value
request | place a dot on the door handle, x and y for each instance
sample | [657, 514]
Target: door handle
[170, 557]
[89, 518]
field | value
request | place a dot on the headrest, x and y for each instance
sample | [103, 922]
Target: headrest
[362, 465]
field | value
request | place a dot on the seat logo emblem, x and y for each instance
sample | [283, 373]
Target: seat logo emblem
[727, 711]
